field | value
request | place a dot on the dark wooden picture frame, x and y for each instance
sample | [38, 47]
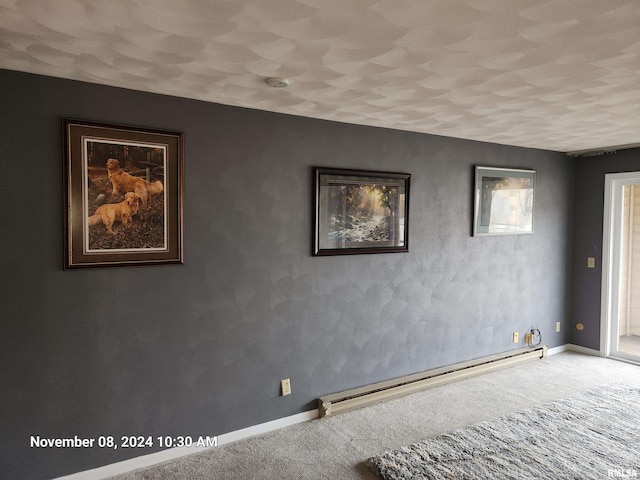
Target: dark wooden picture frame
[503, 201]
[360, 211]
[123, 195]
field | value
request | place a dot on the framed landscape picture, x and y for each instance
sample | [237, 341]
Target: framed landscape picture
[503, 201]
[123, 195]
[358, 211]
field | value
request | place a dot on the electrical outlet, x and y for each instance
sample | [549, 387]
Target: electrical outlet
[516, 337]
[286, 386]
[591, 262]
[557, 326]
[528, 338]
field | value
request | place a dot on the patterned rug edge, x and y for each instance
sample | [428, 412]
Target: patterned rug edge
[533, 428]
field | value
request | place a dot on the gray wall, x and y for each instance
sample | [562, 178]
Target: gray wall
[200, 348]
[588, 232]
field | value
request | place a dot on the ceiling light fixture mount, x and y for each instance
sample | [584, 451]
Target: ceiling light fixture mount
[277, 82]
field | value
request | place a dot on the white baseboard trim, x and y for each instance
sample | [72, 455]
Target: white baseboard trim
[151, 459]
[560, 349]
[570, 347]
[267, 427]
[585, 350]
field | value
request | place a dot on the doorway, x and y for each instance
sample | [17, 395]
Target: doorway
[620, 331]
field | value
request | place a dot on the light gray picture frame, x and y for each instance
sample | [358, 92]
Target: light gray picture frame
[503, 201]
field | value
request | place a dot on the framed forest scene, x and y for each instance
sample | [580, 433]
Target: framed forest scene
[359, 211]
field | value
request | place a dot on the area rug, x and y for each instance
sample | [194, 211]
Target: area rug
[592, 435]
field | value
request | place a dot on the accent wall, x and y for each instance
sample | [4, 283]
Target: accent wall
[200, 348]
[587, 240]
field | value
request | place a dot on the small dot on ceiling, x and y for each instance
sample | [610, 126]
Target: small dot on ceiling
[277, 82]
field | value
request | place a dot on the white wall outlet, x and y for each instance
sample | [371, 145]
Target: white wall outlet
[528, 338]
[591, 262]
[516, 337]
[286, 386]
[557, 326]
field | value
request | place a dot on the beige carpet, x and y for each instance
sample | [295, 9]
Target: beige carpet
[337, 447]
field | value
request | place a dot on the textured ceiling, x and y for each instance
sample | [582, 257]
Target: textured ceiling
[560, 75]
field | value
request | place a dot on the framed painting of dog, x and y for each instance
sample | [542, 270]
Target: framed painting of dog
[123, 195]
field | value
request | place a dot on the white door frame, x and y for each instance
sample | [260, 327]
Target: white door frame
[614, 184]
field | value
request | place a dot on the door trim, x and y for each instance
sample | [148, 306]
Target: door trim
[614, 184]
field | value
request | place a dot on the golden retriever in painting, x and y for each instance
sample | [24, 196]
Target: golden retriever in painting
[123, 182]
[116, 212]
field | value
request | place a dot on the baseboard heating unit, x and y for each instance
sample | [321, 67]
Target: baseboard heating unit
[360, 397]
